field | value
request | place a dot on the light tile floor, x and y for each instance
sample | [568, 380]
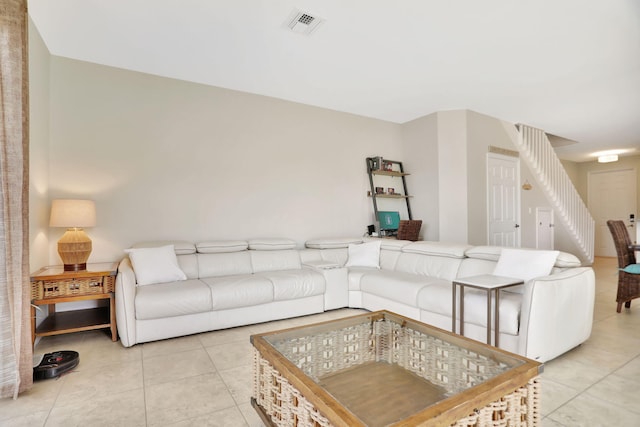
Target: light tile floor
[205, 379]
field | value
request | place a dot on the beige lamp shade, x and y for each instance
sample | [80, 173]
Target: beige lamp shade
[75, 246]
[73, 213]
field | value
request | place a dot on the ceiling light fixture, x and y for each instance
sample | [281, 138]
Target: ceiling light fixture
[608, 158]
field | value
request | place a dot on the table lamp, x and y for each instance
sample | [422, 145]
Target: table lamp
[75, 246]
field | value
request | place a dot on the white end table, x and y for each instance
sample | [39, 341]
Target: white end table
[489, 283]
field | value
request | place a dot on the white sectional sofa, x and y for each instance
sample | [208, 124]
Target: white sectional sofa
[235, 283]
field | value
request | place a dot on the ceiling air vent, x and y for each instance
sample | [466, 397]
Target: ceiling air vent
[303, 23]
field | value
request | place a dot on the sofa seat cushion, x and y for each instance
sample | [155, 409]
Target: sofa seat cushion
[172, 299]
[396, 286]
[436, 298]
[239, 291]
[294, 284]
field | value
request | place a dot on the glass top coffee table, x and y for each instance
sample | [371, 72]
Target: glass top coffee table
[380, 369]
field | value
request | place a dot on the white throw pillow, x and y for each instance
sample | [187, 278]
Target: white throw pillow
[155, 265]
[364, 254]
[525, 264]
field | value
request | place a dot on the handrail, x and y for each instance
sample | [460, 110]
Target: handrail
[541, 158]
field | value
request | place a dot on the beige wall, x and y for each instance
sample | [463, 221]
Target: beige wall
[167, 159]
[482, 132]
[38, 150]
[420, 159]
[452, 176]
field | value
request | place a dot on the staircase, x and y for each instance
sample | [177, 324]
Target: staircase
[537, 152]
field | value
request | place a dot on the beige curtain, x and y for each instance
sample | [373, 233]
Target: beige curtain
[16, 360]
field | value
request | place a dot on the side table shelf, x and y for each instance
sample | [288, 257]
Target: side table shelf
[52, 285]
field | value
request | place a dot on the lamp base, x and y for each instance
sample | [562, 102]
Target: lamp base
[74, 248]
[75, 267]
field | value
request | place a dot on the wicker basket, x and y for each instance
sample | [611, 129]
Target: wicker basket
[409, 229]
[45, 289]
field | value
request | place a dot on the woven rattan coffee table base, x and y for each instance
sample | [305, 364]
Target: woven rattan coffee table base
[281, 404]
[385, 370]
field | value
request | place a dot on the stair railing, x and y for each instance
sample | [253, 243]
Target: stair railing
[541, 158]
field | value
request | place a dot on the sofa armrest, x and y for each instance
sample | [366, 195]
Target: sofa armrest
[336, 294]
[556, 313]
[125, 303]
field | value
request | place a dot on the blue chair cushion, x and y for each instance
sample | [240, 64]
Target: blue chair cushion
[632, 269]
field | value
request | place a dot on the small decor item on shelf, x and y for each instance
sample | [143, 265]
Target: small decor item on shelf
[391, 191]
[387, 166]
[379, 190]
[378, 162]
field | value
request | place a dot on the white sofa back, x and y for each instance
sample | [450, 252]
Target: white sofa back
[232, 257]
[433, 259]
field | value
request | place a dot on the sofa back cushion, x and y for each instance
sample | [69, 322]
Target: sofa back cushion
[440, 267]
[492, 253]
[224, 264]
[274, 260]
[474, 267]
[433, 259]
[189, 264]
[222, 246]
[336, 256]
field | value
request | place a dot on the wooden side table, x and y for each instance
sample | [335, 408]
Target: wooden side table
[52, 285]
[489, 283]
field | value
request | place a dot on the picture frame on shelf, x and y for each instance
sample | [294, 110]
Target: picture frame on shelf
[379, 190]
[391, 191]
[387, 166]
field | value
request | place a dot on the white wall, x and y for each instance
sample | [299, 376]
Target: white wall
[167, 159]
[483, 132]
[420, 159]
[452, 176]
[38, 150]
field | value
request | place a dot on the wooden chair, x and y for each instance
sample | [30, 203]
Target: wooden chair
[628, 284]
[409, 229]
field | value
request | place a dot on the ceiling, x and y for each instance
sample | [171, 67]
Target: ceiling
[571, 67]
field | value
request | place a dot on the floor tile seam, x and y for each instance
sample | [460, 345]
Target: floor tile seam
[55, 401]
[593, 366]
[104, 366]
[10, 421]
[228, 387]
[145, 385]
[613, 403]
[173, 352]
[234, 405]
[144, 395]
[614, 373]
[209, 414]
[111, 393]
[218, 370]
[585, 392]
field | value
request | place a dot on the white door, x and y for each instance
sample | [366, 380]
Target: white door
[503, 204]
[544, 228]
[612, 195]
